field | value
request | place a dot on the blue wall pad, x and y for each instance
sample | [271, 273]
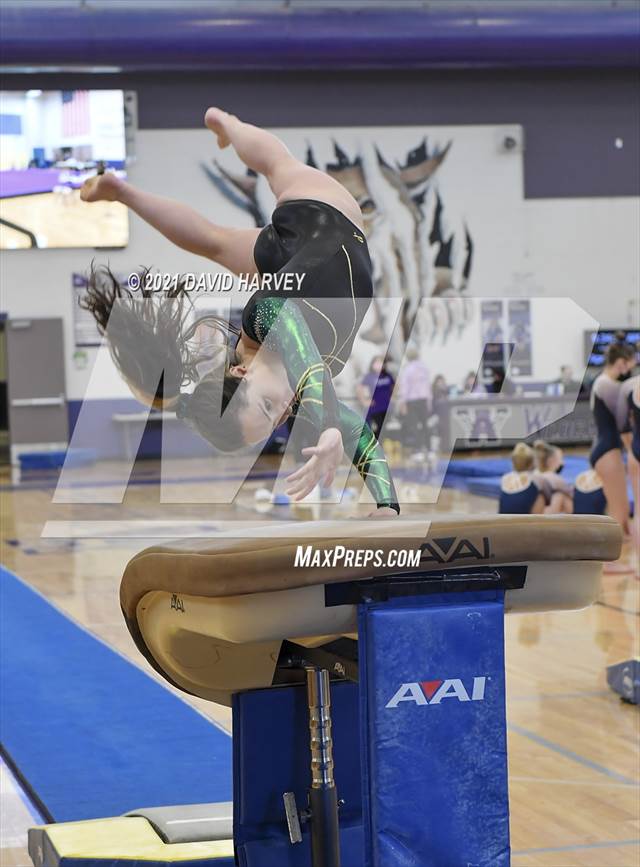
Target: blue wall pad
[54, 460]
[89, 733]
[434, 765]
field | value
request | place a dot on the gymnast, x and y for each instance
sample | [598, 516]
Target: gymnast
[549, 464]
[628, 417]
[523, 491]
[283, 359]
[606, 454]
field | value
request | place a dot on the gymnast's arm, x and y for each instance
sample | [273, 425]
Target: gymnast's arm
[368, 458]
[557, 483]
[623, 407]
[282, 328]
[183, 226]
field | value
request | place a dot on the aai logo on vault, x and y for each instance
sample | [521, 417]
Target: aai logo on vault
[435, 691]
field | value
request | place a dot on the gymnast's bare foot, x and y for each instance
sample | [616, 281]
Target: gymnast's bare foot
[217, 121]
[101, 188]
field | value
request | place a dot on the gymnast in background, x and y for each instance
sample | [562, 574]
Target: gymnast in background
[607, 453]
[283, 360]
[549, 463]
[628, 417]
[523, 491]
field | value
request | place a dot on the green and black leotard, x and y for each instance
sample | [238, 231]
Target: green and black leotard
[313, 329]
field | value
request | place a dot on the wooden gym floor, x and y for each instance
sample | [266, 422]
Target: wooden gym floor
[573, 745]
[60, 220]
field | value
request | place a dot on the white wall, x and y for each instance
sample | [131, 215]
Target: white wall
[42, 126]
[14, 149]
[38, 282]
[588, 250]
[106, 109]
[584, 249]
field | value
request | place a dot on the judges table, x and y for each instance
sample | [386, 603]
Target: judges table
[493, 420]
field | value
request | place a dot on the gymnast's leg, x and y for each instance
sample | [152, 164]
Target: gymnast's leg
[610, 468]
[633, 468]
[287, 176]
[561, 504]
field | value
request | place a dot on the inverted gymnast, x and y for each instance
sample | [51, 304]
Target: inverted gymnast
[283, 359]
[606, 454]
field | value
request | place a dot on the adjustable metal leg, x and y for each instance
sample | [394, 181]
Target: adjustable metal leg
[323, 796]
[322, 812]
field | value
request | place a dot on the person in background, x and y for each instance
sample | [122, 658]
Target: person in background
[472, 385]
[628, 418]
[439, 388]
[523, 491]
[374, 393]
[440, 394]
[606, 454]
[499, 383]
[415, 398]
[549, 460]
[588, 494]
[621, 340]
[566, 381]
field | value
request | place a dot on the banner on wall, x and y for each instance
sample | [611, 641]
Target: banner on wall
[492, 332]
[85, 330]
[519, 331]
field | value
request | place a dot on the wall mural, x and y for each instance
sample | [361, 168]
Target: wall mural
[417, 250]
[432, 200]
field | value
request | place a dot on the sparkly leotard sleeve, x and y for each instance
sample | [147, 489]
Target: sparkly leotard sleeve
[281, 327]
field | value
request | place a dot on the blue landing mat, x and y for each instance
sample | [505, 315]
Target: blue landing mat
[481, 467]
[89, 733]
[482, 476]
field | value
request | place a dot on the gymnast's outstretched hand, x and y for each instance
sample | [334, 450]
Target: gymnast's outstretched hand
[324, 460]
[101, 188]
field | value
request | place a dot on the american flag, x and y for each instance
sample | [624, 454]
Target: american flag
[75, 112]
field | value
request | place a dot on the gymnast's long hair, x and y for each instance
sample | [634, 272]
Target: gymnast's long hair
[147, 332]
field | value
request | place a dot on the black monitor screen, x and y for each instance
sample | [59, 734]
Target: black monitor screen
[596, 343]
[51, 141]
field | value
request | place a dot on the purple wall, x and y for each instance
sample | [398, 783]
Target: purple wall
[196, 37]
[571, 114]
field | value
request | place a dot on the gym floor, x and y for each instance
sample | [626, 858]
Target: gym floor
[54, 218]
[573, 747]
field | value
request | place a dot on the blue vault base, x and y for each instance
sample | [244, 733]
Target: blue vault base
[420, 744]
[419, 748]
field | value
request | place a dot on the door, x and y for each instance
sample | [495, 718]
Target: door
[36, 383]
